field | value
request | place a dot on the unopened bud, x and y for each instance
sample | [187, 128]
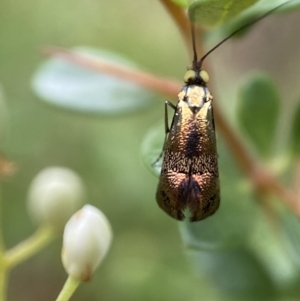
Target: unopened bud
[54, 195]
[86, 241]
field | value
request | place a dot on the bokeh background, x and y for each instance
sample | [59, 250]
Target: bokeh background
[147, 260]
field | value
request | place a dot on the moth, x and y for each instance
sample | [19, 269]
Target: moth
[189, 176]
[189, 180]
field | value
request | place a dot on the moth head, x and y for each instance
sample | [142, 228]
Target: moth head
[192, 76]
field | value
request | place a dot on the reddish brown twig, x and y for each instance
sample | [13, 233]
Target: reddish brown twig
[183, 23]
[156, 83]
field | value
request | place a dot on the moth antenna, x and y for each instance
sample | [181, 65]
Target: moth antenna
[195, 59]
[240, 29]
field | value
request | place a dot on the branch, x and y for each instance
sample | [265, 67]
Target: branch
[184, 25]
[156, 83]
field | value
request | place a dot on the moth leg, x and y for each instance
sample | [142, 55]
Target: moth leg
[168, 103]
[167, 129]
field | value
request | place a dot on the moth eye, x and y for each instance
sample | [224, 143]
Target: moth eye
[189, 75]
[204, 75]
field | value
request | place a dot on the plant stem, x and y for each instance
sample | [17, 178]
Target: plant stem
[184, 25]
[29, 247]
[68, 289]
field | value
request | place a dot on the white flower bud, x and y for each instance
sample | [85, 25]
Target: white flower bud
[54, 195]
[87, 238]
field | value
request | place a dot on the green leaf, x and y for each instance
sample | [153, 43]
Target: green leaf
[71, 86]
[152, 147]
[237, 274]
[258, 111]
[249, 15]
[264, 6]
[295, 133]
[215, 12]
[233, 223]
[269, 247]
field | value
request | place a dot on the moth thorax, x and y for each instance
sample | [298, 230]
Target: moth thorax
[196, 96]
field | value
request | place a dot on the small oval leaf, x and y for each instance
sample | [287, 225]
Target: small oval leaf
[71, 86]
[151, 149]
[258, 111]
[249, 15]
[211, 13]
[230, 23]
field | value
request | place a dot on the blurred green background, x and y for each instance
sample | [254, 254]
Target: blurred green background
[147, 260]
